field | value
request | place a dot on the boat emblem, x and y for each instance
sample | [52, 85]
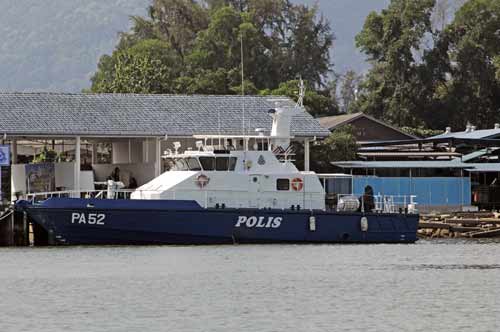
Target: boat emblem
[261, 161]
[202, 180]
[297, 184]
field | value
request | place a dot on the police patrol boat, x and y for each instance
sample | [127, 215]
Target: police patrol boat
[226, 193]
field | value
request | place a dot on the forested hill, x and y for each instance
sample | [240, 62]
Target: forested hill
[55, 45]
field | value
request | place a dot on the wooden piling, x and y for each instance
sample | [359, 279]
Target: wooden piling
[14, 229]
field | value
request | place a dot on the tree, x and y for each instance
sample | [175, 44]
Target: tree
[453, 82]
[497, 65]
[341, 145]
[201, 47]
[467, 50]
[147, 67]
[349, 90]
[390, 40]
[317, 102]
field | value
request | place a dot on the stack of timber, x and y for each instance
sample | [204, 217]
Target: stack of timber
[460, 225]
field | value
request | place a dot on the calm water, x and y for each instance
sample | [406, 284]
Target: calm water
[431, 286]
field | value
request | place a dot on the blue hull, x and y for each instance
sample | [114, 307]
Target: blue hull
[108, 222]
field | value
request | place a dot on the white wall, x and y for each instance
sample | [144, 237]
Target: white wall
[123, 153]
[64, 174]
[18, 179]
[142, 172]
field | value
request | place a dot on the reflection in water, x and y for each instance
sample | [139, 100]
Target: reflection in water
[448, 267]
[430, 286]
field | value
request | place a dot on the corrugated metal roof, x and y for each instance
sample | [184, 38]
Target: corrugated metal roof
[485, 168]
[403, 164]
[408, 154]
[140, 115]
[477, 154]
[475, 134]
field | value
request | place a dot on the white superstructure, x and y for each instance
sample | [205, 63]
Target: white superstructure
[222, 176]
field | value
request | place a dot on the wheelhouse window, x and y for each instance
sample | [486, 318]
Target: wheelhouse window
[218, 163]
[169, 165]
[181, 165]
[193, 164]
[208, 163]
[283, 184]
[221, 163]
[232, 163]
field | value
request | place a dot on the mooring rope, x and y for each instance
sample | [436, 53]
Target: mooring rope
[6, 214]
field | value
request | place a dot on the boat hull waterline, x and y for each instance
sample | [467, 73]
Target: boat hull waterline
[110, 222]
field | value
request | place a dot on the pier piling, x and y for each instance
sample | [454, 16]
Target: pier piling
[14, 228]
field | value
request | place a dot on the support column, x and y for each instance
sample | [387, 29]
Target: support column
[145, 149]
[306, 155]
[94, 153]
[158, 157]
[77, 163]
[14, 151]
[129, 151]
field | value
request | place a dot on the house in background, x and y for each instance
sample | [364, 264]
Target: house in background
[366, 128]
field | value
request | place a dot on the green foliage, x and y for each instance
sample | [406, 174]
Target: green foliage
[391, 39]
[348, 91]
[184, 47]
[472, 42]
[496, 62]
[148, 66]
[453, 81]
[341, 145]
[46, 156]
[317, 102]
[421, 131]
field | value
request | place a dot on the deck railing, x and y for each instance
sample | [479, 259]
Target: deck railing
[365, 203]
[376, 203]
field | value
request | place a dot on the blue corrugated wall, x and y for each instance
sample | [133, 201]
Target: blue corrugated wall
[429, 191]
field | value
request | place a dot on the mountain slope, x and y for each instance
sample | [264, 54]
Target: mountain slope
[55, 45]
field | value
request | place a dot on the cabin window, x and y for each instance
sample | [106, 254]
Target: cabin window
[221, 163]
[232, 163]
[193, 164]
[181, 165]
[208, 163]
[169, 165]
[283, 184]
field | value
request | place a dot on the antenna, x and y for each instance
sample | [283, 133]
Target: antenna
[302, 93]
[242, 86]
[218, 126]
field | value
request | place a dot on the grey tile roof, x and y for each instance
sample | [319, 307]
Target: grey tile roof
[140, 115]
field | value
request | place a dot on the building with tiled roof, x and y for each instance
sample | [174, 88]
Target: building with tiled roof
[134, 115]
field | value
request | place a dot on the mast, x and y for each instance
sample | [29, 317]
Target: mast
[245, 145]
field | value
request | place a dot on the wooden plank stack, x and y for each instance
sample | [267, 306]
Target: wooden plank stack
[480, 224]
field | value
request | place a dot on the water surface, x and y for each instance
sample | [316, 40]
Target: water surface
[439, 285]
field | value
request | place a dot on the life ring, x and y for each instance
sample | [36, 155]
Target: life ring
[202, 180]
[297, 184]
